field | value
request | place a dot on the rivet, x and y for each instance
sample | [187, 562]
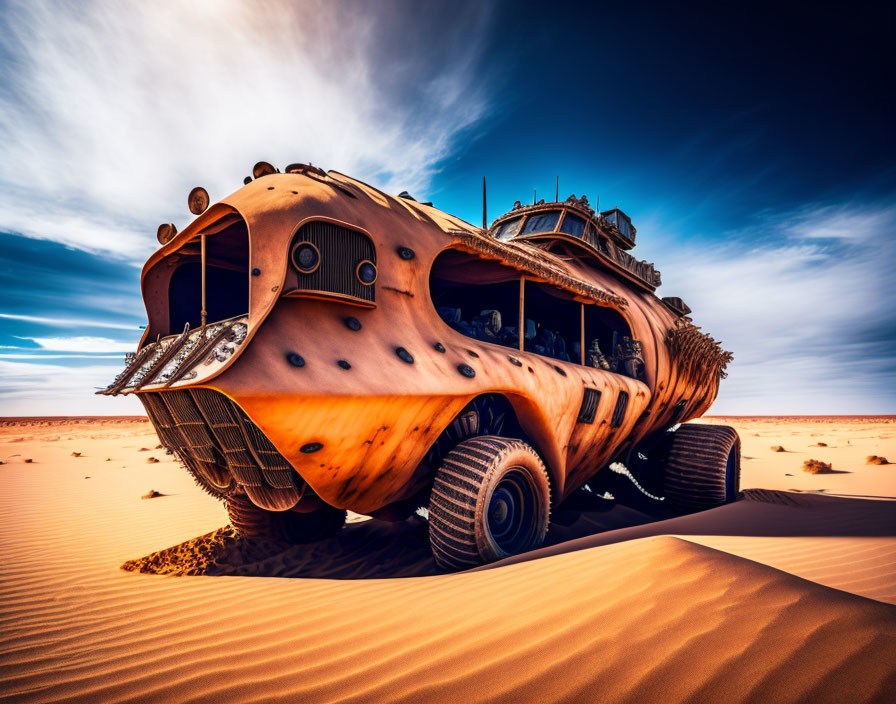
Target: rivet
[472, 353]
[352, 323]
[466, 370]
[310, 447]
[404, 355]
[406, 253]
[256, 272]
[345, 365]
[439, 347]
[515, 362]
[295, 359]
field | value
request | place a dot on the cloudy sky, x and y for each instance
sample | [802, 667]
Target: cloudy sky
[754, 150]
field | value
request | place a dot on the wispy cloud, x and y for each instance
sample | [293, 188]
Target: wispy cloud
[46, 389]
[82, 344]
[804, 300]
[111, 111]
[67, 322]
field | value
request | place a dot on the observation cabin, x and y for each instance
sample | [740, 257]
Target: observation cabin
[596, 238]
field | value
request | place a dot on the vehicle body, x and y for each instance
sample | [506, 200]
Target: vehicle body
[327, 374]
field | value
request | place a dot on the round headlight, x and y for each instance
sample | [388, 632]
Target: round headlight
[305, 257]
[366, 272]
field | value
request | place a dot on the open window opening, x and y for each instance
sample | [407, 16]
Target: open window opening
[477, 297]
[481, 299]
[226, 279]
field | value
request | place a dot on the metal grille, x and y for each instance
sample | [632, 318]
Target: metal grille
[205, 427]
[341, 250]
[619, 411]
[589, 406]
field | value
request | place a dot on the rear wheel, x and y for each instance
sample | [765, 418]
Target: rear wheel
[702, 467]
[490, 499]
[252, 522]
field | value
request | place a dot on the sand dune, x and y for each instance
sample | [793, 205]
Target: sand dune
[632, 614]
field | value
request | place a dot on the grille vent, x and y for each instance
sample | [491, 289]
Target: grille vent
[210, 432]
[619, 411]
[341, 250]
[589, 406]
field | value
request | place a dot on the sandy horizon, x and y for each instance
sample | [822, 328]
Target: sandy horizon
[786, 595]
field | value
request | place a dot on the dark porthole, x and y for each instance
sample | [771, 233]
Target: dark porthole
[310, 447]
[295, 360]
[472, 353]
[345, 365]
[366, 272]
[352, 323]
[439, 347]
[406, 253]
[515, 362]
[466, 370]
[559, 370]
[256, 272]
[306, 257]
[404, 355]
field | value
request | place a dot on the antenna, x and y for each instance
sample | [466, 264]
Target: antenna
[534, 196]
[484, 208]
[557, 191]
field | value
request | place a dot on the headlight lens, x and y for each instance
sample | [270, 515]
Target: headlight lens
[306, 257]
[366, 272]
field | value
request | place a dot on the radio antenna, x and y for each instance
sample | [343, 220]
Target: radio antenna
[534, 196]
[557, 191]
[484, 208]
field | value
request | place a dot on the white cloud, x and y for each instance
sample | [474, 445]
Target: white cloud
[112, 111]
[53, 390]
[807, 312]
[67, 322]
[82, 344]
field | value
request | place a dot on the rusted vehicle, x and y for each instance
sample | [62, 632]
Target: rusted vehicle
[315, 345]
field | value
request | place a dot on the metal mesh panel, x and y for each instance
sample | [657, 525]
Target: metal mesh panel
[341, 250]
[215, 408]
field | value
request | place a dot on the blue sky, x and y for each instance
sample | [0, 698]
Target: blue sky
[752, 147]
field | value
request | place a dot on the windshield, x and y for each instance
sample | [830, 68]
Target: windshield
[545, 222]
[507, 230]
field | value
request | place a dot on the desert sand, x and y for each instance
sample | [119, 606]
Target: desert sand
[786, 595]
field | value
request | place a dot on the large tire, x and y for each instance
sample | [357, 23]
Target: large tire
[491, 499]
[286, 526]
[702, 467]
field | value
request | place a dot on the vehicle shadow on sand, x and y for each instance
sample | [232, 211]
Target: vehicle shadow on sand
[372, 549]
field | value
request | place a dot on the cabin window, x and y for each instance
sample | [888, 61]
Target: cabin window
[477, 297]
[506, 230]
[227, 279]
[544, 222]
[573, 225]
[481, 299]
[553, 322]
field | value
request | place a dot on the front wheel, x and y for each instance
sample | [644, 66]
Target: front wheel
[491, 499]
[287, 526]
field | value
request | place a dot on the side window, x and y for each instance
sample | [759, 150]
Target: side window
[329, 258]
[481, 299]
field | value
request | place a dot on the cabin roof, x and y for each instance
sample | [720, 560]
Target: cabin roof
[603, 237]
